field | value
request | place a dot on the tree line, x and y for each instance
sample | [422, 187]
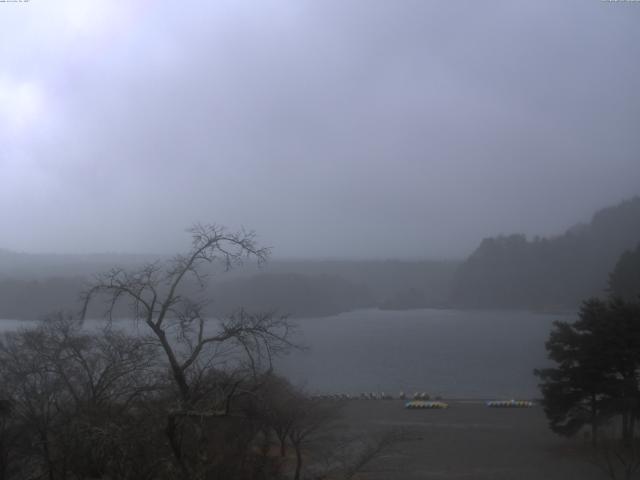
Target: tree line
[301, 289]
[547, 273]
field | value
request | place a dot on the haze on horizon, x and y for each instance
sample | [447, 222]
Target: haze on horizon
[338, 128]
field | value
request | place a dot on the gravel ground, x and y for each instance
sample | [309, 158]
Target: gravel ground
[468, 441]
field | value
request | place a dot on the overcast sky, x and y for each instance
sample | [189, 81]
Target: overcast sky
[334, 128]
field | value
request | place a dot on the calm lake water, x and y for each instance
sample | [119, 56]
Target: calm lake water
[453, 353]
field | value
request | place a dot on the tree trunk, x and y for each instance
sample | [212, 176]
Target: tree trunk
[298, 462]
[594, 421]
[174, 365]
[175, 444]
[47, 456]
[626, 433]
[4, 461]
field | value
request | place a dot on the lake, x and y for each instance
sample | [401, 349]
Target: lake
[453, 353]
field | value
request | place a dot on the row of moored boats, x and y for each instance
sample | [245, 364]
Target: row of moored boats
[374, 396]
[420, 400]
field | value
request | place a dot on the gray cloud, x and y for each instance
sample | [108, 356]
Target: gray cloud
[359, 128]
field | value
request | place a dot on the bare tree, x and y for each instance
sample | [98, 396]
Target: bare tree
[9, 432]
[156, 297]
[278, 403]
[160, 296]
[366, 450]
[350, 456]
[36, 395]
[66, 387]
[308, 419]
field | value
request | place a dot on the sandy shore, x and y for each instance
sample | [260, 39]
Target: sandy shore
[468, 441]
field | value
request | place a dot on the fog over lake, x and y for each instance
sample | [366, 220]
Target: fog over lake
[453, 353]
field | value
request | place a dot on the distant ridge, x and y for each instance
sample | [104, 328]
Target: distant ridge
[32, 285]
[511, 271]
[548, 273]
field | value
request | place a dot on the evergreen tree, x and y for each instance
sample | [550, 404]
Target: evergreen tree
[574, 390]
[597, 363]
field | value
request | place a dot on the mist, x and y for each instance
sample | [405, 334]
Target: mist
[298, 239]
[366, 130]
